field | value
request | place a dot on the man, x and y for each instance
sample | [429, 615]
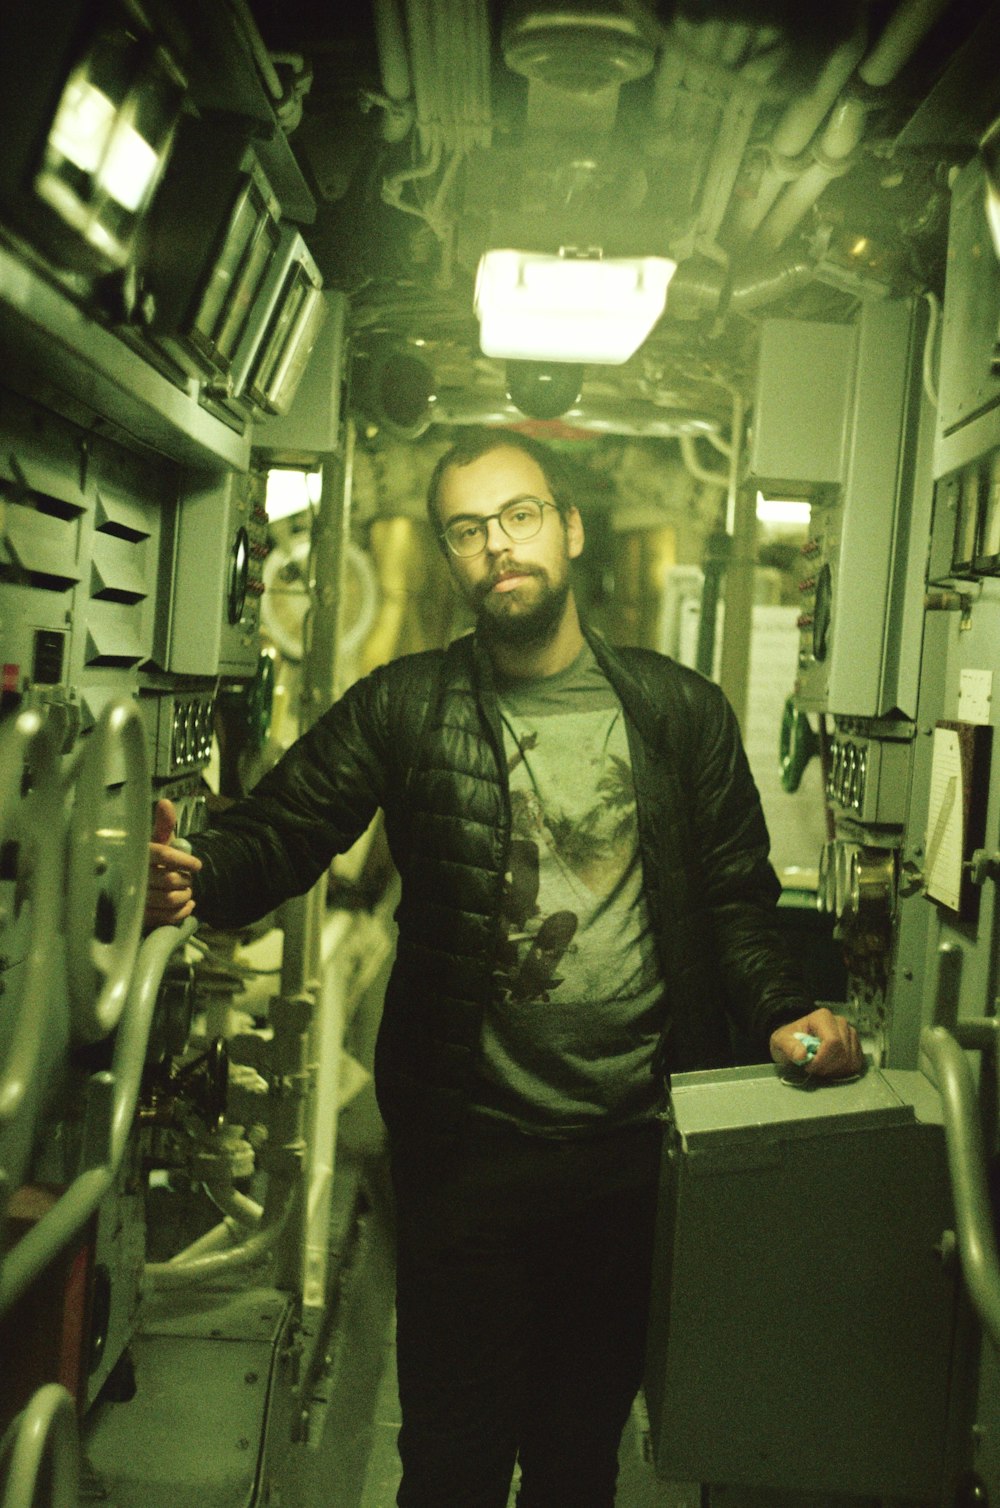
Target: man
[586, 901]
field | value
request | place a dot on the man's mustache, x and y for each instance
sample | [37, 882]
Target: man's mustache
[485, 587]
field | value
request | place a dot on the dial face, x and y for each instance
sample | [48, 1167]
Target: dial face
[239, 564]
[821, 613]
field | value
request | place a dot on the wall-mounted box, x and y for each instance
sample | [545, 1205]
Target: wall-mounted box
[863, 570]
[800, 413]
[209, 611]
[969, 386]
[804, 1330]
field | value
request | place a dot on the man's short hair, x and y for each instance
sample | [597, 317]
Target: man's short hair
[479, 441]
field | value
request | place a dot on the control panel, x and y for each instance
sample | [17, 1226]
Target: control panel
[209, 621]
[181, 728]
[868, 772]
[861, 572]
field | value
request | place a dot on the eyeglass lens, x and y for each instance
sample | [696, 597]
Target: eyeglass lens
[520, 519]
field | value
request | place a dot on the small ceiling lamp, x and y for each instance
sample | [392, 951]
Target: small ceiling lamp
[536, 307]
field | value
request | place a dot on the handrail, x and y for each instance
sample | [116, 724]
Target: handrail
[967, 1166]
[45, 1429]
[111, 1106]
[35, 825]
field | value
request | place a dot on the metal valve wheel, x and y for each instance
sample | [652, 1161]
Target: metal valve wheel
[107, 870]
[30, 849]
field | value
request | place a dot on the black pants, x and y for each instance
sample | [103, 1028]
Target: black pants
[523, 1276]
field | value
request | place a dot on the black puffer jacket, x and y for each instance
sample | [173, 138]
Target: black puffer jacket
[421, 738]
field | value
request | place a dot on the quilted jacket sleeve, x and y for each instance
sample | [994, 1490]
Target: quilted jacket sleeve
[318, 799]
[738, 886]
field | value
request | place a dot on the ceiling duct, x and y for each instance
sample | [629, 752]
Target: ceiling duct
[394, 387]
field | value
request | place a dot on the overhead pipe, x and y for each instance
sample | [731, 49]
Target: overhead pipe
[258, 50]
[904, 32]
[599, 414]
[449, 61]
[793, 133]
[761, 61]
[740, 62]
[699, 285]
[394, 67]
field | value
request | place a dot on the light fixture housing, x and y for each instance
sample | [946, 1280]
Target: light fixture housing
[109, 141]
[588, 309]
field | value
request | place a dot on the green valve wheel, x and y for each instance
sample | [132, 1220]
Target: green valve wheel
[797, 745]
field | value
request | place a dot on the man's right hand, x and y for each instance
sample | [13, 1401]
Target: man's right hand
[168, 897]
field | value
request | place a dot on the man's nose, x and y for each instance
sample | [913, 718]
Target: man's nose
[497, 542]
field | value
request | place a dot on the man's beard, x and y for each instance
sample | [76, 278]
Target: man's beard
[506, 623]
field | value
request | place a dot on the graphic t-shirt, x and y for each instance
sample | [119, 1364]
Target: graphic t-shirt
[569, 1040]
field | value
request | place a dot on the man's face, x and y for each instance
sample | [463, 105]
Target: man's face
[517, 589]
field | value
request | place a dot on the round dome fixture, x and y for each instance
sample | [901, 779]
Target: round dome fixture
[582, 50]
[544, 389]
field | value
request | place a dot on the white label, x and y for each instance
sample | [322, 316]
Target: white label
[943, 865]
[974, 696]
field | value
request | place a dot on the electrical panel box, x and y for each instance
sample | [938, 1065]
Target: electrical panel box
[803, 1325]
[800, 411]
[209, 622]
[79, 554]
[861, 579]
[969, 386]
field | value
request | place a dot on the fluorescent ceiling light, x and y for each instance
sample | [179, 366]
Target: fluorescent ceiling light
[533, 307]
[792, 512]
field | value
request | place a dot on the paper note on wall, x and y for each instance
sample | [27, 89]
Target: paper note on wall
[945, 837]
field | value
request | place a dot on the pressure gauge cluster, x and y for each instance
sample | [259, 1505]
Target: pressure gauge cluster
[868, 771]
[182, 723]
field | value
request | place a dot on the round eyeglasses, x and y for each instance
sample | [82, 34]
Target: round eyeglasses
[519, 519]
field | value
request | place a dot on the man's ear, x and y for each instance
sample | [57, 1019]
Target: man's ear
[574, 532]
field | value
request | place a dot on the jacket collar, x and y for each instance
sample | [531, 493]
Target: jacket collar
[648, 720]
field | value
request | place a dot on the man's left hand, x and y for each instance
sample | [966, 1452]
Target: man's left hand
[839, 1054]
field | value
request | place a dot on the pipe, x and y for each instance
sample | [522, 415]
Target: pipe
[320, 1150]
[699, 284]
[731, 139]
[258, 51]
[693, 466]
[831, 159]
[42, 1446]
[600, 415]
[793, 133]
[233, 1204]
[187, 1271]
[902, 35]
[741, 524]
[423, 73]
[111, 1106]
[394, 67]
[967, 1167]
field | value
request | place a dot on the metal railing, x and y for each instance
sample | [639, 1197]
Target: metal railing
[945, 1052]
